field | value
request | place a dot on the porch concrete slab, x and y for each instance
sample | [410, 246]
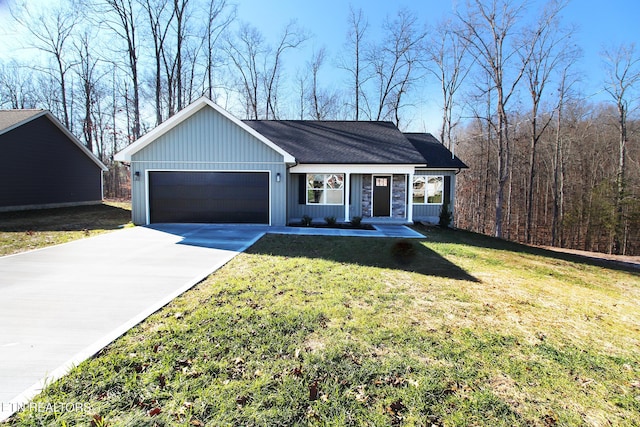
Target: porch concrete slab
[62, 304]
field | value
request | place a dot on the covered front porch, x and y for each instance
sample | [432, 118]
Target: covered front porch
[378, 194]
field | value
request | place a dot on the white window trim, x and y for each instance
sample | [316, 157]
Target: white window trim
[425, 203]
[324, 189]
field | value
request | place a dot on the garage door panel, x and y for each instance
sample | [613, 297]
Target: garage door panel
[209, 197]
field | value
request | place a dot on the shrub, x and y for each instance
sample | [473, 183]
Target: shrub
[356, 221]
[306, 220]
[330, 220]
[445, 217]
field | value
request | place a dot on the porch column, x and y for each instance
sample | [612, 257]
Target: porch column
[347, 196]
[410, 198]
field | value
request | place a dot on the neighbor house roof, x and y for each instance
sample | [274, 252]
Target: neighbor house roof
[339, 142]
[12, 119]
[435, 153]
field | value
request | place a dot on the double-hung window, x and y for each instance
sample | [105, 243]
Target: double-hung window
[325, 189]
[428, 190]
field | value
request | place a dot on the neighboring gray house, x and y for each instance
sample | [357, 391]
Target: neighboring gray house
[43, 165]
[205, 165]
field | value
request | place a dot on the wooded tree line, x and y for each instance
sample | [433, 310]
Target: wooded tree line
[548, 165]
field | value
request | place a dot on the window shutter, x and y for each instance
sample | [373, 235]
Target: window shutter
[302, 189]
[447, 189]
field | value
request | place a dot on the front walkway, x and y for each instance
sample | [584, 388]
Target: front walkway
[400, 231]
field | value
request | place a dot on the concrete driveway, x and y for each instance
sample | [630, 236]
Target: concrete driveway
[60, 305]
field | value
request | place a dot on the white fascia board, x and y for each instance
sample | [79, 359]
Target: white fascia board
[353, 168]
[427, 169]
[125, 154]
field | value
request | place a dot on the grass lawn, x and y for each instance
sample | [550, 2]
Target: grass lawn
[26, 230]
[456, 329]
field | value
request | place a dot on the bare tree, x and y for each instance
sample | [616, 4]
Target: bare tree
[314, 67]
[292, 37]
[17, 86]
[51, 35]
[87, 73]
[323, 102]
[394, 62]
[549, 48]
[245, 51]
[160, 17]
[301, 90]
[181, 16]
[124, 25]
[623, 79]
[447, 60]
[260, 66]
[559, 162]
[490, 30]
[219, 17]
[353, 62]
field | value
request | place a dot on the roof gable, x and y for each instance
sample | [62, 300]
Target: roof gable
[12, 119]
[434, 152]
[340, 142]
[184, 114]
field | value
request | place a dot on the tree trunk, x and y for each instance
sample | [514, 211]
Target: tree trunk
[619, 246]
[532, 174]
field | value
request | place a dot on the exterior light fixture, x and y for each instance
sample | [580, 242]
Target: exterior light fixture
[136, 175]
[278, 177]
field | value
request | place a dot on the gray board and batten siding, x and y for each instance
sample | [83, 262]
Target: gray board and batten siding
[207, 141]
[42, 167]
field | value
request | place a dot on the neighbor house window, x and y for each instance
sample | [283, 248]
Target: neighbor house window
[325, 189]
[428, 190]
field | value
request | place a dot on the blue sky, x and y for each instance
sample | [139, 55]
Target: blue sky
[600, 23]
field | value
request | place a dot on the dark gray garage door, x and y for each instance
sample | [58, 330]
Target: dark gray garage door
[209, 197]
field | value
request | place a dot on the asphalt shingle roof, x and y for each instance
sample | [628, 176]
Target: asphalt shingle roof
[9, 118]
[436, 154]
[339, 142]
